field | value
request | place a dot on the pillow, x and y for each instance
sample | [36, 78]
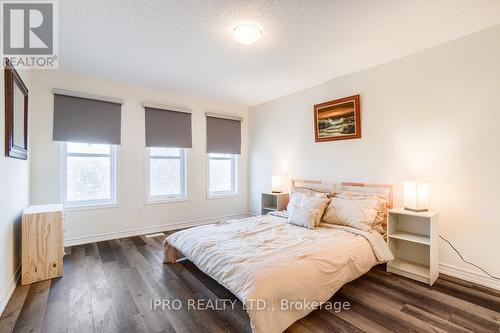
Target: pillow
[355, 212]
[379, 223]
[297, 197]
[306, 210]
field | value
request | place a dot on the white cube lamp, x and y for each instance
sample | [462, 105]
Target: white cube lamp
[276, 184]
[416, 196]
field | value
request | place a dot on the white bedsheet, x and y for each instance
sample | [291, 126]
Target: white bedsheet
[264, 258]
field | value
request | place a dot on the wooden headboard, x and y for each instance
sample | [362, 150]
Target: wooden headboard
[383, 191]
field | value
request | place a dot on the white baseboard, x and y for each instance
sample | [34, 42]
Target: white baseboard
[148, 230]
[467, 275]
[6, 294]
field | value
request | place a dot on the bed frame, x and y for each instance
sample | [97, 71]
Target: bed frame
[383, 191]
[172, 255]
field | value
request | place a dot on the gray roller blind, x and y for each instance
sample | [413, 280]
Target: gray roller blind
[78, 119]
[165, 128]
[223, 135]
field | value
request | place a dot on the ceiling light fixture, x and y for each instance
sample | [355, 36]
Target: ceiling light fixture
[247, 33]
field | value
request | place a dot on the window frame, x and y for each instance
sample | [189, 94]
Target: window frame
[89, 204]
[156, 199]
[234, 192]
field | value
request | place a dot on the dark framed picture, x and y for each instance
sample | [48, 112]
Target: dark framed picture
[338, 120]
[16, 114]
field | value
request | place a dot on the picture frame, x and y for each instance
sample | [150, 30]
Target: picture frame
[339, 119]
[16, 113]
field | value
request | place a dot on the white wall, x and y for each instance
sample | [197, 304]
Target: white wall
[132, 214]
[14, 197]
[434, 115]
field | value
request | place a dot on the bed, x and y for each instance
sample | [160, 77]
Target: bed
[280, 271]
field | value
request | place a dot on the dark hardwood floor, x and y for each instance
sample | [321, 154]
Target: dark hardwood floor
[108, 287]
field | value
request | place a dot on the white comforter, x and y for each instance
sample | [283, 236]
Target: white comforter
[264, 258]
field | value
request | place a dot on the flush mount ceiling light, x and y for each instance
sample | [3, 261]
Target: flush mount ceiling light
[247, 33]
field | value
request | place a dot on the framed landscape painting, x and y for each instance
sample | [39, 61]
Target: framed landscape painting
[338, 120]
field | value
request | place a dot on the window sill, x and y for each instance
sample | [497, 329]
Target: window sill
[165, 201]
[222, 196]
[75, 208]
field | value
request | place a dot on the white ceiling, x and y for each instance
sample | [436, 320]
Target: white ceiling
[185, 46]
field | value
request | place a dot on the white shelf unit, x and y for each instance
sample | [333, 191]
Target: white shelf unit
[413, 240]
[273, 202]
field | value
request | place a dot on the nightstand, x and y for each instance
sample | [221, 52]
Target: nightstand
[273, 202]
[414, 241]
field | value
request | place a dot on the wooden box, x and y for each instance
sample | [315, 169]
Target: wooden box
[42, 243]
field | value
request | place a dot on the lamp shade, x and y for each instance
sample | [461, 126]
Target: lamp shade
[416, 196]
[276, 184]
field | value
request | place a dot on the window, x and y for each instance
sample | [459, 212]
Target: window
[89, 174]
[222, 175]
[166, 174]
